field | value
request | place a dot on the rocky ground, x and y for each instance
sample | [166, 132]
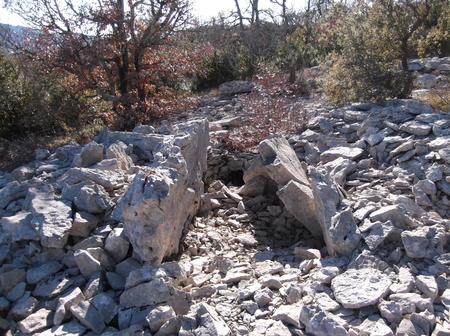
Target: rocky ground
[341, 229]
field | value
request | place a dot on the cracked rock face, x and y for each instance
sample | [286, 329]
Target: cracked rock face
[360, 288]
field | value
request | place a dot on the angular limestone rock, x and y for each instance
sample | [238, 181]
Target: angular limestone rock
[278, 163]
[344, 234]
[88, 315]
[116, 151]
[154, 210]
[210, 322]
[425, 242]
[163, 198]
[299, 200]
[93, 199]
[20, 227]
[350, 153]
[65, 301]
[89, 155]
[320, 323]
[83, 224]
[360, 288]
[146, 294]
[108, 179]
[54, 220]
[39, 320]
[326, 199]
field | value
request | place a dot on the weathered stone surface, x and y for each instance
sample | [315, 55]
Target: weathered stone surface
[93, 199]
[427, 285]
[23, 173]
[350, 153]
[117, 245]
[65, 301]
[12, 191]
[83, 224]
[304, 253]
[405, 281]
[420, 303]
[394, 213]
[19, 227]
[146, 294]
[263, 297]
[233, 277]
[90, 154]
[87, 264]
[156, 230]
[277, 163]
[107, 179]
[36, 274]
[53, 286]
[344, 234]
[290, 315]
[326, 198]
[54, 220]
[340, 168]
[116, 151]
[320, 323]
[325, 302]
[145, 142]
[42, 154]
[324, 275]
[106, 306]
[158, 316]
[17, 292]
[24, 308]
[416, 128]
[359, 288]
[94, 286]
[210, 322]
[88, 316]
[299, 200]
[379, 234]
[11, 278]
[39, 320]
[278, 329]
[391, 311]
[71, 328]
[254, 187]
[425, 242]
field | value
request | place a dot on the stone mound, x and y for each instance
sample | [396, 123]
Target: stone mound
[339, 230]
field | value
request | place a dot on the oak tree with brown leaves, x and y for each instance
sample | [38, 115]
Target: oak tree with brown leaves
[120, 50]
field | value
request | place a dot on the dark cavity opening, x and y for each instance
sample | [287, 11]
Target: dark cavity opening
[236, 178]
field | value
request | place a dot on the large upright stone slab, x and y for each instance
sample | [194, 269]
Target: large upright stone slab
[164, 197]
[278, 163]
[299, 200]
[326, 199]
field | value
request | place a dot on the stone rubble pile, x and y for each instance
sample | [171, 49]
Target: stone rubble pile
[431, 73]
[341, 229]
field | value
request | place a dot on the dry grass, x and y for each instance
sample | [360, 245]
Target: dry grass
[439, 96]
[16, 153]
